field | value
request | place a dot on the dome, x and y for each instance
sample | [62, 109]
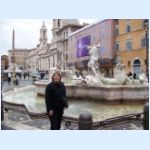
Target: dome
[66, 22]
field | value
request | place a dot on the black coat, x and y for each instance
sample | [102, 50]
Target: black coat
[55, 94]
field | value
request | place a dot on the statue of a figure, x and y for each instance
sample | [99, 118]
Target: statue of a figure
[58, 66]
[142, 77]
[93, 63]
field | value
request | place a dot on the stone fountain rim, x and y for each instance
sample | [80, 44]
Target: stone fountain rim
[31, 113]
[103, 86]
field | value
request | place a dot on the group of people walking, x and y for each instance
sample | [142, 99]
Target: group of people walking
[9, 76]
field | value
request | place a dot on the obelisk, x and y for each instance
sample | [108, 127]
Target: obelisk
[13, 55]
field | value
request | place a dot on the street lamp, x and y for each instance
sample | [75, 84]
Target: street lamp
[146, 25]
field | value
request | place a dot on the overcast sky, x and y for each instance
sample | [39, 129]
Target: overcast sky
[27, 32]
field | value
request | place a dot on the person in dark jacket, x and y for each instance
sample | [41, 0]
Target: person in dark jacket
[55, 99]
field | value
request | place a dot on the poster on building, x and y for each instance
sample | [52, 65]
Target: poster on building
[82, 46]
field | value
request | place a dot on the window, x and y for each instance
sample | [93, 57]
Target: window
[58, 22]
[128, 45]
[63, 34]
[143, 43]
[117, 46]
[67, 33]
[117, 59]
[145, 22]
[66, 56]
[137, 67]
[116, 30]
[117, 21]
[94, 38]
[44, 34]
[128, 28]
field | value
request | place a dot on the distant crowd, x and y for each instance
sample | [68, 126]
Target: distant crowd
[9, 76]
[25, 75]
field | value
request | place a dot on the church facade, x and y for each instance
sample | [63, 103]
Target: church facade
[51, 55]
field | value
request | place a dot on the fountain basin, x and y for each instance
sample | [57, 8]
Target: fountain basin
[106, 93]
[27, 98]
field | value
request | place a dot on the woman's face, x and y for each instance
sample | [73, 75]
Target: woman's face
[56, 78]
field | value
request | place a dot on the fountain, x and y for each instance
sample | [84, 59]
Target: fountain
[94, 85]
[26, 99]
[102, 97]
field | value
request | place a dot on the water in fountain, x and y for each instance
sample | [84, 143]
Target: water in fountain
[99, 110]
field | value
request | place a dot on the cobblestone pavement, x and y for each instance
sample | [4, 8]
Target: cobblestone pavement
[22, 121]
[8, 87]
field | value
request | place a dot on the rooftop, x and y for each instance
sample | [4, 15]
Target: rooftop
[86, 27]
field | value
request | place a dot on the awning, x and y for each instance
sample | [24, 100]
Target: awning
[106, 62]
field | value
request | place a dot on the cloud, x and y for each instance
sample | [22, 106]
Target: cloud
[27, 32]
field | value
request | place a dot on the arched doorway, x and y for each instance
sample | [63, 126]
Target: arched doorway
[137, 67]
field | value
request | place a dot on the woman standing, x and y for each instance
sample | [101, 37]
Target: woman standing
[55, 98]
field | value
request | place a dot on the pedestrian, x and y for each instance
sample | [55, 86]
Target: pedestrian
[2, 107]
[28, 75]
[130, 75]
[20, 75]
[24, 75]
[9, 78]
[134, 76]
[55, 100]
[41, 75]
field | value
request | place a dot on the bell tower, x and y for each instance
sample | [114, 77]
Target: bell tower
[56, 24]
[56, 27]
[43, 35]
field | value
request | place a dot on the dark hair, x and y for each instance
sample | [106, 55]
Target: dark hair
[56, 73]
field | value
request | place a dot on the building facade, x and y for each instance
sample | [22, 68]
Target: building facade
[130, 44]
[41, 62]
[51, 55]
[4, 62]
[61, 29]
[36, 59]
[31, 61]
[20, 57]
[103, 32]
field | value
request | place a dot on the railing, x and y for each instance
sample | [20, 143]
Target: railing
[88, 124]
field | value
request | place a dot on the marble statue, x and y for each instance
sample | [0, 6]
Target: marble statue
[75, 77]
[93, 63]
[120, 78]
